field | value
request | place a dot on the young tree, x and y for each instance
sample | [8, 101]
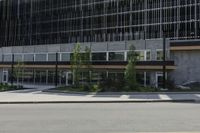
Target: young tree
[76, 65]
[18, 71]
[88, 64]
[130, 72]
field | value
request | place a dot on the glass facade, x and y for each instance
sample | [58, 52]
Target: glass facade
[140, 55]
[18, 58]
[65, 56]
[116, 56]
[52, 57]
[40, 57]
[99, 56]
[28, 57]
[7, 58]
[47, 76]
[34, 22]
[159, 55]
[148, 55]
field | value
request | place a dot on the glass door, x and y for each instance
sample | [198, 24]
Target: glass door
[5, 77]
[159, 79]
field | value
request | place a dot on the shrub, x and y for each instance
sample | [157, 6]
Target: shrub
[170, 85]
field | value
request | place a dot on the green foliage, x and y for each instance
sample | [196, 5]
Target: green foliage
[80, 62]
[112, 85]
[147, 89]
[76, 64]
[7, 87]
[170, 85]
[18, 71]
[90, 88]
[88, 64]
[130, 72]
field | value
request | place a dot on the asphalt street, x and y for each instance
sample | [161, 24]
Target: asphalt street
[100, 118]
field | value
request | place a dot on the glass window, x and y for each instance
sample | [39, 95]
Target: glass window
[99, 56]
[83, 55]
[1, 57]
[116, 75]
[37, 76]
[5, 76]
[17, 57]
[139, 54]
[98, 76]
[51, 77]
[116, 56]
[52, 57]
[29, 57]
[159, 78]
[140, 78]
[40, 76]
[28, 76]
[40, 57]
[159, 55]
[65, 57]
[148, 55]
[84, 76]
[7, 58]
[148, 78]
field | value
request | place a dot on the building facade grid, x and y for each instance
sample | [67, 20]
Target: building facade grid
[35, 22]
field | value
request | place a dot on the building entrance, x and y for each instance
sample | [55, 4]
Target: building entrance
[5, 76]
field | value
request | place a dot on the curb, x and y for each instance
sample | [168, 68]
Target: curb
[114, 101]
[117, 93]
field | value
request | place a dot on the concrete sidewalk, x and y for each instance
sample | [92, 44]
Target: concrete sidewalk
[38, 96]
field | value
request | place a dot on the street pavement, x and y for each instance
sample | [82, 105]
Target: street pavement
[100, 118]
[38, 96]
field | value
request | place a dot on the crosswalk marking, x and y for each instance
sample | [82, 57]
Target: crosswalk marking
[125, 97]
[164, 97]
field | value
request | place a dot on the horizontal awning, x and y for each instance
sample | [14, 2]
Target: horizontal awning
[185, 46]
[116, 65]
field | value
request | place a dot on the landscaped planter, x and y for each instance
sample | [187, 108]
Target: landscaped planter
[7, 87]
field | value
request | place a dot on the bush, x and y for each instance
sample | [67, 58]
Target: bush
[94, 88]
[7, 87]
[170, 85]
[147, 89]
[112, 85]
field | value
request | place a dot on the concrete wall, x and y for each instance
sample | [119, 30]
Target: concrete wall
[104, 46]
[188, 66]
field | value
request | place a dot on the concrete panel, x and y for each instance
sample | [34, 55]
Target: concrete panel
[7, 50]
[188, 69]
[154, 44]
[53, 48]
[67, 47]
[41, 48]
[139, 44]
[17, 49]
[157, 44]
[84, 45]
[116, 46]
[29, 49]
[99, 46]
